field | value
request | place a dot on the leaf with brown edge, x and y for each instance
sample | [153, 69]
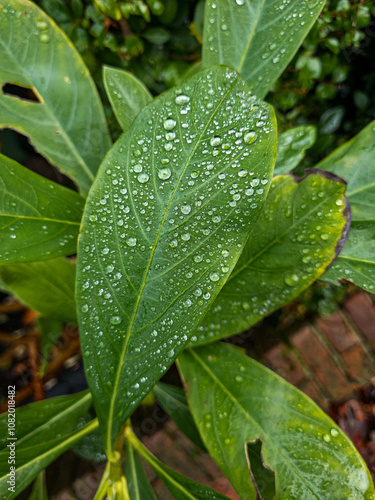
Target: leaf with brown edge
[301, 230]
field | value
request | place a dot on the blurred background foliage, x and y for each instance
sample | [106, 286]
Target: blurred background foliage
[329, 83]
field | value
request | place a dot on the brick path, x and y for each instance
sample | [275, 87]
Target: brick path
[327, 359]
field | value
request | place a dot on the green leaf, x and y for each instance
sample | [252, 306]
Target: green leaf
[164, 224]
[46, 287]
[38, 218]
[234, 400]
[301, 229]
[356, 261]
[291, 147]
[43, 431]
[355, 162]
[126, 93]
[180, 486]
[173, 401]
[138, 483]
[50, 330]
[262, 476]
[257, 38]
[39, 491]
[67, 125]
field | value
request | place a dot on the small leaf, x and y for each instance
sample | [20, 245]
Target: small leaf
[46, 287]
[138, 483]
[291, 147]
[262, 476]
[38, 218]
[257, 38]
[235, 400]
[66, 124]
[173, 401]
[355, 162]
[50, 330]
[301, 229]
[164, 224]
[126, 93]
[180, 486]
[39, 491]
[43, 431]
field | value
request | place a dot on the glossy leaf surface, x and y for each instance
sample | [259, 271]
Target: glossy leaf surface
[257, 38]
[164, 224]
[355, 162]
[38, 218]
[138, 484]
[126, 93]
[173, 401]
[234, 400]
[46, 286]
[44, 430]
[181, 487]
[294, 240]
[66, 124]
[291, 147]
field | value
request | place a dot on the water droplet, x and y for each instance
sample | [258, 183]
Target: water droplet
[291, 279]
[334, 432]
[327, 438]
[164, 173]
[142, 177]
[242, 173]
[115, 320]
[250, 137]
[324, 237]
[182, 99]
[186, 209]
[239, 378]
[131, 242]
[215, 141]
[169, 124]
[214, 277]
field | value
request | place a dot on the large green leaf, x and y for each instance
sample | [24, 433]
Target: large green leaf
[355, 162]
[46, 286]
[127, 94]
[236, 400]
[300, 231]
[50, 330]
[67, 125]
[38, 218]
[173, 401]
[180, 486]
[138, 483]
[291, 146]
[43, 431]
[164, 225]
[257, 38]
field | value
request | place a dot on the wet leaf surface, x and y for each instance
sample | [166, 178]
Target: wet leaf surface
[164, 225]
[234, 400]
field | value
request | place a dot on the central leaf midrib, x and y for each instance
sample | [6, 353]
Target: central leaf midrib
[144, 280]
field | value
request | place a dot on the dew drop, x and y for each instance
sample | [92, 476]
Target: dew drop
[164, 173]
[131, 242]
[291, 279]
[182, 99]
[250, 137]
[142, 177]
[214, 277]
[169, 124]
[215, 141]
[186, 209]
[115, 320]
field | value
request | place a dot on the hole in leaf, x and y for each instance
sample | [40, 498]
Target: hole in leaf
[19, 91]
[262, 476]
